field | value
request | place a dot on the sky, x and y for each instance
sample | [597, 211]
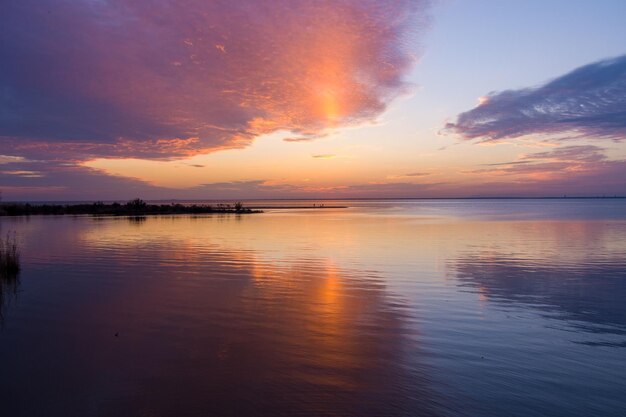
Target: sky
[197, 99]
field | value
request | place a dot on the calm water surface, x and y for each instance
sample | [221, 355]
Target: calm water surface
[408, 308]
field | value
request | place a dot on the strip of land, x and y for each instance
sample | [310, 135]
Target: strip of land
[135, 207]
[319, 206]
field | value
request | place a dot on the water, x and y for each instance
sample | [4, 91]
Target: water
[416, 308]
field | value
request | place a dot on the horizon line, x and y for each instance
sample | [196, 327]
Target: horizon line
[330, 199]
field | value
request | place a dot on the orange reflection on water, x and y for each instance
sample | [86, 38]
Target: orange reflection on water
[308, 310]
[317, 313]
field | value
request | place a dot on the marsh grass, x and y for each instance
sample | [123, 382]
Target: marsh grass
[9, 255]
[9, 272]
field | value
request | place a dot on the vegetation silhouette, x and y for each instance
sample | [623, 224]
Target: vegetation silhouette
[9, 255]
[9, 271]
[136, 207]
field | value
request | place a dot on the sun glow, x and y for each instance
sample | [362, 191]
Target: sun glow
[329, 104]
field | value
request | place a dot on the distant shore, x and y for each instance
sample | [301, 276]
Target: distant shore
[314, 206]
[135, 207]
[139, 207]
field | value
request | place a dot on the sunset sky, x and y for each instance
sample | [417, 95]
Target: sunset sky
[198, 99]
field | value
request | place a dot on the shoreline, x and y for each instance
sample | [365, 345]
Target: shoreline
[297, 207]
[138, 208]
[133, 208]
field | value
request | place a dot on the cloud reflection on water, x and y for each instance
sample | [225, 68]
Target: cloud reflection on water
[590, 295]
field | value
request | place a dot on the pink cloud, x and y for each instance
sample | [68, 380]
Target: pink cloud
[581, 170]
[163, 79]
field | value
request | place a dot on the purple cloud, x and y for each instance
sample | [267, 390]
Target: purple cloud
[589, 101]
[161, 78]
[582, 170]
[559, 162]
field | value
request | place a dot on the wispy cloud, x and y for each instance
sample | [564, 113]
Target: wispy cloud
[7, 159]
[306, 137]
[589, 101]
[558, 162]
[408, 175]
[386, 190]
[51, 181]
[23, 173]
[582, 170]
[323, 156]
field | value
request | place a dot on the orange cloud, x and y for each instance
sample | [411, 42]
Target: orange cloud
[176, 78]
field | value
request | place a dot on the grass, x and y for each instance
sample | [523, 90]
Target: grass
[9, 255]
[9, 271]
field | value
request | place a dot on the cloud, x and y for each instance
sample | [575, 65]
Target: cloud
[323, 156]
[385, 190]
[560, 161]
[538, 175]
[62, 181]
[578, 291]
[579, 153]
[7, 159]
[582, 170]
[306, 137]
[166, 79]
[409, 175]
[300, 139]
[589, 101]
[23, 173]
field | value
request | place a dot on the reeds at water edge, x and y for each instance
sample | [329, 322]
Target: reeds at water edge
[9, 272]
[9, 255]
